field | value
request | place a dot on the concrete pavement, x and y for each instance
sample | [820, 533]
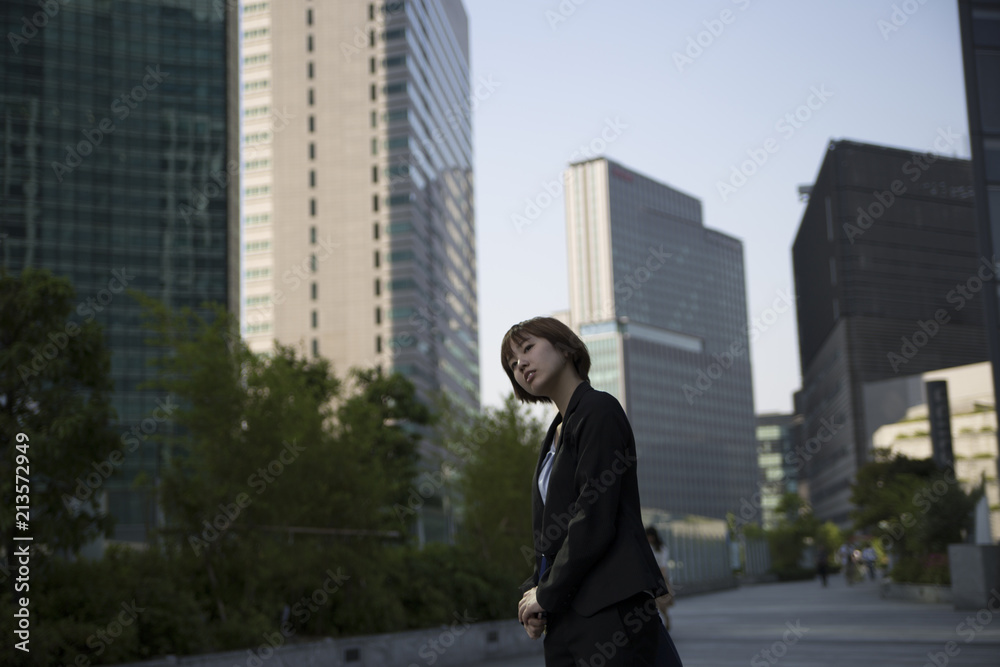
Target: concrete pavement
[802, 624]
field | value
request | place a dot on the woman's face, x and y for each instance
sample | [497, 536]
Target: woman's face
[537, 365]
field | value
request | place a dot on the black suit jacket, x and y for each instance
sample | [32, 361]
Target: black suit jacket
[590, 529]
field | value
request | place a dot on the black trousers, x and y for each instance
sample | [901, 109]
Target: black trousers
[626, 634]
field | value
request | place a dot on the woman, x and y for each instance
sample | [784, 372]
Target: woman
[595, 580]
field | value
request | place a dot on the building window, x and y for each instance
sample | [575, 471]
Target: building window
[374, 146]
[376, 259]
[312, 234]
[312, 151]
[312, 207]
[374, 174]
[378, 315]
[312, 178]
[374, 91]
[312, 97]
[314, 291]
[375, 230]
[374, 119]
[315, 346]
[371, 38]
[312, 123]
[371, 11]
[315, 319]
[378, 287]
[371, 64]
[312, 263]
[309, 17]
[309, 43]
[311, 70]
[375, 202]
[378, 344]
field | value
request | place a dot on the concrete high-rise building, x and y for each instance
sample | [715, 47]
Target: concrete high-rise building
[661, 303]
[358, 210]
[980, 23]
[118, 170]
[888, 279]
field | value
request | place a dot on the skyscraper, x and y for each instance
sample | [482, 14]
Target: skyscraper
[116, 134]
[359, 228]
[661, 303]
[980, 23]
[887, 278]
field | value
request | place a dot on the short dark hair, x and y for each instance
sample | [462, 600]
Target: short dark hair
[557, 333]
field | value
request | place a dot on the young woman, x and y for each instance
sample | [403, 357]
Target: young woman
[595, 581]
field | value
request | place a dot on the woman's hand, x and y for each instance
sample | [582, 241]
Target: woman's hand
[529, 613]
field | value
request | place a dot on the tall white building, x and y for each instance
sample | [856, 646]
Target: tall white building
[359, 233]
[661, 303]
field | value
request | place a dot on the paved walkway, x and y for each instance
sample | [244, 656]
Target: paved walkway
[838, 625]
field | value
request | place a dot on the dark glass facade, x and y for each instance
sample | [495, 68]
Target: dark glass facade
[980, 23]
[113, 170]
[888, 279]
[663, 312]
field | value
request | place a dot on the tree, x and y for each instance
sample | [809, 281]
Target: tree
[55, 389]
[915, 509]
[498, 451]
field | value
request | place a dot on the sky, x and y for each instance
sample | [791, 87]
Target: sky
[691, 91]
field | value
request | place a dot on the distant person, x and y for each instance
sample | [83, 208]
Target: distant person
[595, 581]
[869, 557]
[662, 555]
[822, 564]
[845, 553]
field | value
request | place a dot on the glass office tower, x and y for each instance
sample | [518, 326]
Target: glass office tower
[115, 136]
[888, 279]
[661, 303]
[980, 22]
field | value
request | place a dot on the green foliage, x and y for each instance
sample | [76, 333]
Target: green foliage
[915, 510]
[54, 387]
[499, 451]
[278, 484]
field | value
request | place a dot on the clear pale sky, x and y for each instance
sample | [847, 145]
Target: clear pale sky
[546, 86]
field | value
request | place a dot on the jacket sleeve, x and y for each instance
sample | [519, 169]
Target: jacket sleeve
[604, 453]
